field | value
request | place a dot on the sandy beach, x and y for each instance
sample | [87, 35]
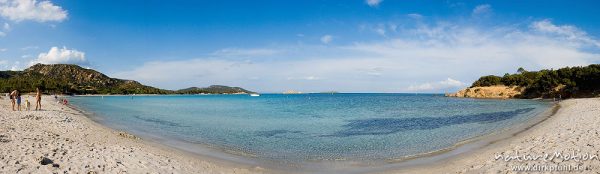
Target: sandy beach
[59, 139]
[63, 140]
[571, 132]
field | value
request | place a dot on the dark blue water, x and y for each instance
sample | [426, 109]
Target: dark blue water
[313, 127]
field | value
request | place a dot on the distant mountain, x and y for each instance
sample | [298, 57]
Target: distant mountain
[73, 79]
[70, 79]
[214, 89]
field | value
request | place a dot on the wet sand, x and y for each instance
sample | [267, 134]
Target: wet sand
[573, 132]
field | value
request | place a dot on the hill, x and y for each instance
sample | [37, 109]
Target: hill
[70, 79]
[214, 89]
[73, 79]
[565, 82]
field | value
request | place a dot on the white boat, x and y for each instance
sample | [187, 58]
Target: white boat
[254, 95]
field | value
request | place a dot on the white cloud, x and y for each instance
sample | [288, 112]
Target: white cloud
[482, 9]
[373, 3]
[61, 56]
[3, 49]
[452, 83]
[30, 48]
[16, 66]
[304, 78]
[449, 83]
[41, 11]
[380, 30]
[236, 52]
[393, 27]
[569, 32]
[280, 75]
[415, 15]
[312, 78]
[426, 52]
[5, 28]
[326, 39]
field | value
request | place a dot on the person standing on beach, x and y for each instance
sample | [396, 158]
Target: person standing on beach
[38, 97]
[18, 101]
[13, 95]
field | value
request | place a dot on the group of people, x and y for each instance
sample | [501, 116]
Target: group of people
[15, 99]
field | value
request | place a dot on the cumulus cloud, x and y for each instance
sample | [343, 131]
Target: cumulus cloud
[41, 11]
[448, 84]
[482, 9]
[414, 59]
[61, 56]
[373, 3]
[326, 39]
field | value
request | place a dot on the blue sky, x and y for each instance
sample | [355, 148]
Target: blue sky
[310, 46]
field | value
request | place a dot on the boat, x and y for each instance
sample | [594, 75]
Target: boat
[254, 95]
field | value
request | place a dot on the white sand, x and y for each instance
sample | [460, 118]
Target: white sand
[75, 144]
[574, 128]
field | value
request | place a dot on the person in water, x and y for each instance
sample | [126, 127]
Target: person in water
[38, 97]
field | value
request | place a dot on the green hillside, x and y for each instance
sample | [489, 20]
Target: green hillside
[73, 79]
[566, 82]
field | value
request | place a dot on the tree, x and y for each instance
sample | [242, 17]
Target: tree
[490, 80]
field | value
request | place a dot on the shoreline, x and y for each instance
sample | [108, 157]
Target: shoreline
[539, 138]
[346, 166]
[467, 146]
[224, 165]
[61, 139]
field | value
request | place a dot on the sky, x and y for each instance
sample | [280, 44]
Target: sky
[409, 46]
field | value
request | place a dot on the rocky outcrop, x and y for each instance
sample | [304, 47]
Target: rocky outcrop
[497, 92]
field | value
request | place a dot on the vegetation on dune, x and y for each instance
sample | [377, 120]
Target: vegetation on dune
[567, 82]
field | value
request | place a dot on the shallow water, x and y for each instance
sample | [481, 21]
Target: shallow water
[313, 127]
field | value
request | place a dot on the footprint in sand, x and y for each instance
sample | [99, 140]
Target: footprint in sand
[4, 139]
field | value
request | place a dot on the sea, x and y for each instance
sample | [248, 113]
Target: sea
[296, 128]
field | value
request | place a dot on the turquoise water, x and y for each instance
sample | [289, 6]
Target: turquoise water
[313, 127]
